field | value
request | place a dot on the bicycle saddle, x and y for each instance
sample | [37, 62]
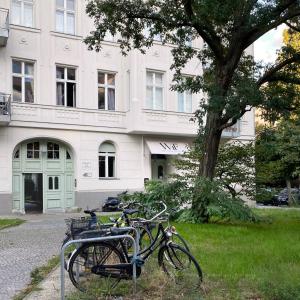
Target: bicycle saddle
[90, 211]
[130, 211]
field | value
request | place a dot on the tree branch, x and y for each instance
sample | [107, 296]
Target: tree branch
[276, 20]
[272, 71]
[206, 32]
[292, 26]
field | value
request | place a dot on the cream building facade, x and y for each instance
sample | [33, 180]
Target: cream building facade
[77, 126]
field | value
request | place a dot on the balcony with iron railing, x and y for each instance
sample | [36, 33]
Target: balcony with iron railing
[5, 109]
[4, 26]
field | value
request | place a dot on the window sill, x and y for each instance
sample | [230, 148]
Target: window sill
[24, 28]
[108, 178]
[67, 35]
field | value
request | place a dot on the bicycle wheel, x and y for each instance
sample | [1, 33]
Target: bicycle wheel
[180, 241]
[180, 265]
[95, 254]
[145, 239]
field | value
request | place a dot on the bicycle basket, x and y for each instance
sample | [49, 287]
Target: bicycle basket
[76, 226]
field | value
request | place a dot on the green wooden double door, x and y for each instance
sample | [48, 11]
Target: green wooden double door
[43, 177]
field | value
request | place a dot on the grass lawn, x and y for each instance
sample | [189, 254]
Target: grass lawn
[10, 222]
[241, 261]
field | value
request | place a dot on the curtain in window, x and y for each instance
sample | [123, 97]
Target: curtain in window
[17, 89]
[70, 23]
[180, 102]
[60, 91]
[28, 15]
[29, 91]
[159, 99]
[60, 21]
[16, 12]
[111, 99]
[188, 102]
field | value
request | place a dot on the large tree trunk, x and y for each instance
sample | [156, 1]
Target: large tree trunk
[211, 142]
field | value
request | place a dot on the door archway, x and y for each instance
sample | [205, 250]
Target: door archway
[43, 176]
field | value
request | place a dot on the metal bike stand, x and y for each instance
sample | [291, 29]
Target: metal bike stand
[97, 239]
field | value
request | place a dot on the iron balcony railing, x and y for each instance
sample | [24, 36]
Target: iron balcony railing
[5, 104]
[4, 26]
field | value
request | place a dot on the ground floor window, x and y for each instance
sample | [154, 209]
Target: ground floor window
[107, 160]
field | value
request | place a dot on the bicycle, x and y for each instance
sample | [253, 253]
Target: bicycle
[111, 262]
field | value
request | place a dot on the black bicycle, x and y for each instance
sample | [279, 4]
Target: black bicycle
[106, 263]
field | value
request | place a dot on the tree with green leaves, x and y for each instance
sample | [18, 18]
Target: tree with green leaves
[235, 169]
[277, 153]
[232, 82]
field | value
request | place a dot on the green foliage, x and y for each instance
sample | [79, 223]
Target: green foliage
[277, 152]
[178, 196]
[265, 195]
[231, 83]
[234, 170]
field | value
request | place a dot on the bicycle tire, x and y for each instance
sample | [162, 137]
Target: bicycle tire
[182, 267]
[84, 279]
[182, 242]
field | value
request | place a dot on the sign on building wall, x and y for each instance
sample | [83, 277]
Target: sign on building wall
[167, 147]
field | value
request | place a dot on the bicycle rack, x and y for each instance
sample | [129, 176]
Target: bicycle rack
[97, 239]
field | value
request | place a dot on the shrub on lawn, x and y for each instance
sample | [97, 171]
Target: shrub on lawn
[178, 196]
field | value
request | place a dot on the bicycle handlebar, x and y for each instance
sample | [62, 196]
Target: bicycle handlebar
[160, 213]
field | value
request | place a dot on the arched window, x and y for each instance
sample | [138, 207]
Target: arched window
[68, 156]
[107, 160]
[17, 153]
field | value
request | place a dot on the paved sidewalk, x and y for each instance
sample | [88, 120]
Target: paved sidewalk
[25, 247]
[50, 287]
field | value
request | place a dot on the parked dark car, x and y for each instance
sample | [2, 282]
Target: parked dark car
[268, 196]
[283, 197]
[113, 203]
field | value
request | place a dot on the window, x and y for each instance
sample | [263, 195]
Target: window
[185, 102]
[65, 16]
[53, 183]
[154, 94]
[65, 86]
[17, 153]
[106, 91]
[160, 172]
[23, 81]
[68, 156]
[156, 37]
[22, 12]
[107, 160]
[33, 150]
[109, 37]
[52, 150]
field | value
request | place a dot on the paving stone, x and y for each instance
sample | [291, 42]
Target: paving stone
[26, 247]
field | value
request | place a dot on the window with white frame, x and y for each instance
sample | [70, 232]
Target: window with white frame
[22, 12]
[33, 150]
[66, 86]
[52, 150]
[107, 160]
[185, 102]
[154, 90]
[106, 91]
[65, 16]
[23, 81]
